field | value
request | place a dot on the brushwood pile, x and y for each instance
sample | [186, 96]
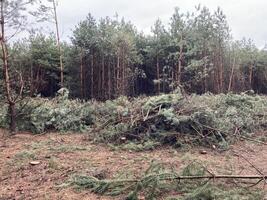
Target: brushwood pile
[147, 122]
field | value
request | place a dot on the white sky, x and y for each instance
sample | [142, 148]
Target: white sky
[246, 17]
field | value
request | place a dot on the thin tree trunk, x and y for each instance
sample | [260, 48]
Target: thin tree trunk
[103, 78]
[179, 71]
[231, 77]
[92, 76]
[31, 80]
[221, 78]
[59, 46]
[38, 85]
[221, 69]
[250, 76]
[205, 78]
[180, 62]
[217, 71]
[215, 86]
[118, 72]
[158, 76]
[172, 77]
[99, 78]
[109, 80]
[204, 53]
[123, 74]
[81, 74]
[11, 101]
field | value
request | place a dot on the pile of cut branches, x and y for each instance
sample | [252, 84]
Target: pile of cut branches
[209, 120]
[40, 115]
[148, 122]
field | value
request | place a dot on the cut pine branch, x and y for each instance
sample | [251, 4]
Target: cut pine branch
[167, 177]
[122, 186]
[257, 177]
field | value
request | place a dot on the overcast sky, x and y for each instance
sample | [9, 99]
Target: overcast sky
[246, 17]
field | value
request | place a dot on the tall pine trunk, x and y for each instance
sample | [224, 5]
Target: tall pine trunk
[81, 74]
[158, 75]
[59, 46]
[231, 77]
[250, 76]
[103, 79]
[92, 76]
[10, 100]
[118, 73]
[109, 80]
[180, 61]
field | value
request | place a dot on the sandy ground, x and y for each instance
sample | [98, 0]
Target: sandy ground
[61, 156]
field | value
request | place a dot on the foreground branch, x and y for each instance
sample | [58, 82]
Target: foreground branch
[147, 184]
[223, 177]
[169, 177]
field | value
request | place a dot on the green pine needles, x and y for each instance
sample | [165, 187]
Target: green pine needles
[158, 182]
[145, 123]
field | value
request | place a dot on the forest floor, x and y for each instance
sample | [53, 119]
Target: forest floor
[59, 156]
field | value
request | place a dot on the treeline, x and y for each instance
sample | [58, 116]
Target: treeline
[109, 58]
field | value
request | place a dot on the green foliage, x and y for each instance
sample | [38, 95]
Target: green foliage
[99, 44]
[158, 182]
[37, 59]
[147, 122]
[195, 51]
[162, 101]
[210, 120]
[59, 114]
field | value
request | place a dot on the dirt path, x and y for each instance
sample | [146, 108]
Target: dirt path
[61, 156]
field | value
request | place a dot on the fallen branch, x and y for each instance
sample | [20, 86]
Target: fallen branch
[154, 178]
[253, 140]
[223, 177]
[171, 178]
[121, 186]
